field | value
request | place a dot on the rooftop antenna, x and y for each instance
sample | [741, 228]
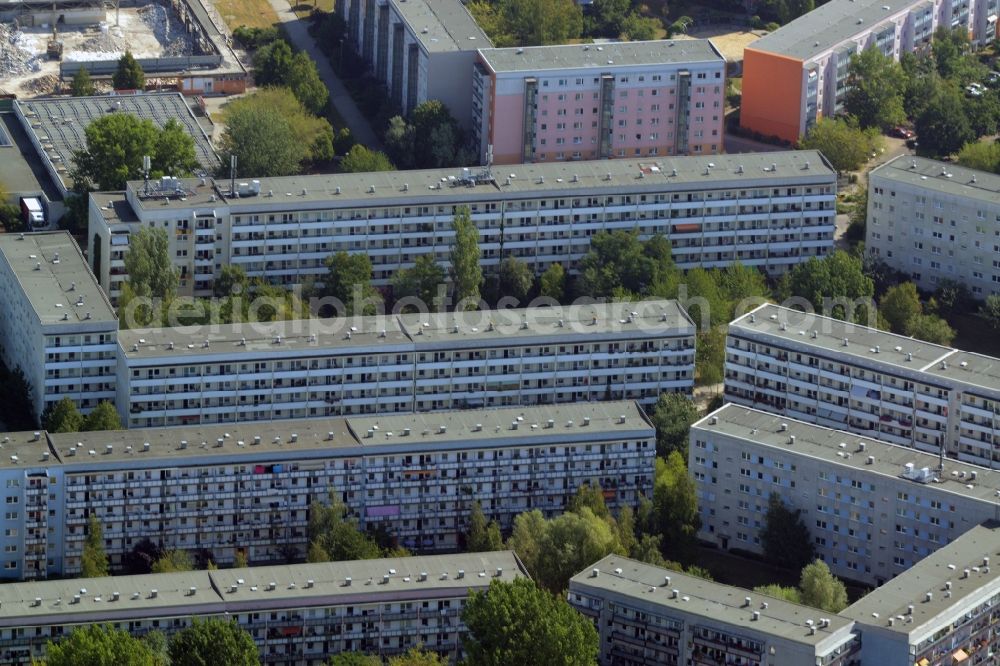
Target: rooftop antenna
[232, 175]
[146, 163]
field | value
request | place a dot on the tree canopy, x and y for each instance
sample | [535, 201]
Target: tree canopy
[172, 561]
[943, 126]
[515, 279]
[334, 536]
[900, 305]
[984, 156]
[482, 536]
[421, 282]
[150, 270]
[836, 286]
[360, 159]
[539, 22]
[672, 417]
[418, 656]
[518, 623]
[552, 283]
[99, 645]
[82, 85]
[466, 271]
[102, 417]
[94, 559]
[674, 512]
[431, 138]
[785, 538]
[62, 416]
[841, 141]
[116, 144]
[129, 75]
[820, 588]
[875, 84]
[618, 261]
[211, 642]
[349, 280]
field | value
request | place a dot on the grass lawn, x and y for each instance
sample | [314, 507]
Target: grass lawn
[251, 13]
[305, 8]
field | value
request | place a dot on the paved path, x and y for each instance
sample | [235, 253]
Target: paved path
[298, 32]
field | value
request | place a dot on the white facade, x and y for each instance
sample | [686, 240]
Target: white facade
[219, 491]
[409, 363]
[873, 509]
[867, 381]
[648, 616]
[298, 615]
[936, 221]
[56, 324]
[769, 210]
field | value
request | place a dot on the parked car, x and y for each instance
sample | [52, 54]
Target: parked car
[902, 133]
[975, 90]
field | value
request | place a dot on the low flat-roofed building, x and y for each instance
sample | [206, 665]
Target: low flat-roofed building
[873, 509]
[407, 363]
[766, 210]
[870, 382]
[219, 491]
[943, 610]
[650, 615]
[296, 614]
[57, 325]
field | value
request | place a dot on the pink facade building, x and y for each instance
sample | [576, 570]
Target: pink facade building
[594, 101]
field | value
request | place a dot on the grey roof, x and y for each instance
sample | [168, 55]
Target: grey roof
[974, 370]
[442, 25]
[440, 186]
[324, 435]
[566, 58]
[62, 278]
[320, 336]
[829, 25]
[713, 601]
[943, 177]
[59, 122]
[824, 444]
[209, 592]
[892, 601]
[21, 173]
[862, 341]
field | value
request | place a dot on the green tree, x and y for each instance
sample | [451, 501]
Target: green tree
[399, 142]
[606, 18]
[349, 280]
[420, 282]
[710, 356]
[437, 138]
[875, 90]
[518, 623]
[552, 283]
[466, 271]
[491, 19]
[744, 286]
[982, 113]
[900, 306]
[307, 86]
[943, 127]
[785, 538]
[312, 137]
[418, 656]
[589, 496]
[990, 310]
[948, 48]
[173, 153]
[171, 561]
[639, 28]
[354, 659]
[539, 22]
[360, 159]
[272, 63]
[211, 642]
[791, 594]
[672, 417]
[262, 139]
[649, 549]
[932, 328]
[983, 156]
[148, 265]
[821, 589]
[94, 559]
[334, 536]
[99, 645]
[841, 141]
[620, 261]
[232, 280]
[62, 416]
[836, 286]
[240, 561]
[922, 83]
[82, 86]
[674, 514]
[129, 74]
[482, 536]
[102, 417]
[516, 278]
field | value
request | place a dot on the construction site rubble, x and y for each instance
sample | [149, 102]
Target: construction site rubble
[14, 59]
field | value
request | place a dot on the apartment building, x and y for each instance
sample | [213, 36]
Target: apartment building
[57, 326]
[298, 614]
[943, 610]
[936, 221]
[407, 363]
[798, 73]
[870, 382]
[768, 210]
[874, 509]
[219, 491]
[649, 616]
[420, 49]
[595, 101]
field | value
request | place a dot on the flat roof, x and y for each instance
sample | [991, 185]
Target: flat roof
[442, 25]
[233, 440]
[415, 576]
[59, 123]
[299, 336]
[842, 449]
[589, 56]
[296, 585]
[62, 289]
[971, 369]
[433, 186]
[943, 177]
[713, 601]
[828, 26]
[862, 342]
[938, 574]
[20, 170]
